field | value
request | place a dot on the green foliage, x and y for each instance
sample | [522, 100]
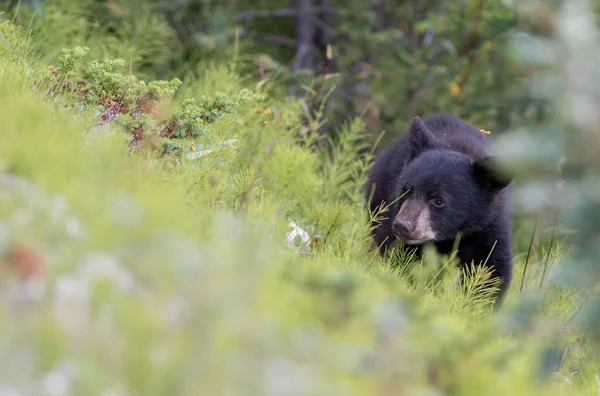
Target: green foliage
[130, 102]
[191, 118]
[104, 81]
[147, 274]
[394, 60]
[114, 29]
[68, 60]
[133, 103]
[16, 46]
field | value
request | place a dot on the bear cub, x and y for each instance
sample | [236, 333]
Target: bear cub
[439, 180]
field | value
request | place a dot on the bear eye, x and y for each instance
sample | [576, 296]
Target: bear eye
[438, 202]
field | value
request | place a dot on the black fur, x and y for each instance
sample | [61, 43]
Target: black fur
[449, 158]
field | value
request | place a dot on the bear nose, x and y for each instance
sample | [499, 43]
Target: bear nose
[403, 227]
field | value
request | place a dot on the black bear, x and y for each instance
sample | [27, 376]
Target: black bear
[440, 180]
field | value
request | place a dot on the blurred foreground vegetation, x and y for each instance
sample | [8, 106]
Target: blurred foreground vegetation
[144, 223]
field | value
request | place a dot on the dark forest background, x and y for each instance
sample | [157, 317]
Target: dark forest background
[390, 59]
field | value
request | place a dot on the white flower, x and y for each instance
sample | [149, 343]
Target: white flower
[298, 238]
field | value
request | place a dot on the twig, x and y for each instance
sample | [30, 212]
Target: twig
[566, 326]
[528, 252]
[549, 249]
[330, 230]
[322, 25]
[288, 42]
[329, 58]
[283, 12]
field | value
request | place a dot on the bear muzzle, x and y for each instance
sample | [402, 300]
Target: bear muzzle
[413, 225]
[403, 227]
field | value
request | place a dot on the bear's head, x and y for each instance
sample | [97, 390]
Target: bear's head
[444, 192]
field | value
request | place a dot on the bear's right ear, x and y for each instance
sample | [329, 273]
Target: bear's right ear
[420, 136]
[492, 173]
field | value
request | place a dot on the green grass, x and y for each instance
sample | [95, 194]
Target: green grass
[171, 276]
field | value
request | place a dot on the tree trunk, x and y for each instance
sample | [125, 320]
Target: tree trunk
[304, 40]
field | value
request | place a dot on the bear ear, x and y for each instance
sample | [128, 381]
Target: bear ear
[490, 173]
[420, 136]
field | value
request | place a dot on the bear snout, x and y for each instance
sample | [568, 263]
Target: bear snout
[407, 219]
[402, 227]
[413, 223]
